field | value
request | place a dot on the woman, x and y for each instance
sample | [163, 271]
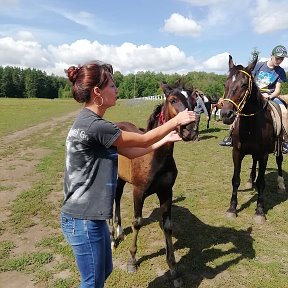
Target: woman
[90, 175]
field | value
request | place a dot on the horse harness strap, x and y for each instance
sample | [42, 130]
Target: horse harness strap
[242, 103]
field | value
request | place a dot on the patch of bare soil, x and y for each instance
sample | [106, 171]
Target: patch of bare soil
[17, 175]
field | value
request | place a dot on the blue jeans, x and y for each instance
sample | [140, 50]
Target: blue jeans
[90, 241]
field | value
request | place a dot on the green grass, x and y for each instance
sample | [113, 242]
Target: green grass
[17, 114]
[211, 250]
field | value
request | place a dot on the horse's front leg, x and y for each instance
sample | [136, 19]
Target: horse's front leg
[165, 206]
[136, 225]
[252, 176]
[237, 160]
[280, 179]
[259, 217]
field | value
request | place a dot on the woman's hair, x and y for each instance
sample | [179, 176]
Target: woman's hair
[84, 78]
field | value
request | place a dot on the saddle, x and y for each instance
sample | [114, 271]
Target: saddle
[276, 116]
[277, 123]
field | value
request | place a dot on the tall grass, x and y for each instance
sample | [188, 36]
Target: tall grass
[211, 250]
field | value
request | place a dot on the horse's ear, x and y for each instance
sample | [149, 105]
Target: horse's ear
[251, 66]
[231, 63]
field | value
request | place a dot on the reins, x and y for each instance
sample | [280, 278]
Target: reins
[239, 107]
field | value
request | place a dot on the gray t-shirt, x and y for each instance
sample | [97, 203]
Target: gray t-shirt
[91, 165]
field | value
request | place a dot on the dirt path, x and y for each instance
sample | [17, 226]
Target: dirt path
[17, 174]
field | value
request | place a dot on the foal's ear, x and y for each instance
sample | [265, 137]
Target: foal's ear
[165, 87]
[251, 66]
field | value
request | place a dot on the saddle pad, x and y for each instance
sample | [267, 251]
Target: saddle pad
[276, 116]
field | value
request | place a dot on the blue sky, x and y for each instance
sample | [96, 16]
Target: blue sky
[171, 36]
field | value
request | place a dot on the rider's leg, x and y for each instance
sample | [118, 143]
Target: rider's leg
[285, 126]
[227, 141]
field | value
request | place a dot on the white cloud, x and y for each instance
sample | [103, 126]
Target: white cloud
[270, 16]
[22, 53]
[179, 25]
[126, 58]
[81, 17]
[217, 63]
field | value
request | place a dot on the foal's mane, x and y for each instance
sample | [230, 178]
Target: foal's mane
[154, 117]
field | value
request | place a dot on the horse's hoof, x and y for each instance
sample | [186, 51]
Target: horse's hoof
[281, 191]
[178, 283]
[259, 219]
[231, 215]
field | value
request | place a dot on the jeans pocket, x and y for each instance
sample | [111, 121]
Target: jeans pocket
[67, 224]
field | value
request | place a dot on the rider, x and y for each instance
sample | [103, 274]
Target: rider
[269, 77]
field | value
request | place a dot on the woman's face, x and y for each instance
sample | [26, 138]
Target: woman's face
[109, 94]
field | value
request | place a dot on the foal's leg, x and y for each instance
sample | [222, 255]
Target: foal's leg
[252, 177]
[136, 225]
[237, 160]
[165, 198]
[280, 179]
[260, 183]
[117, 214]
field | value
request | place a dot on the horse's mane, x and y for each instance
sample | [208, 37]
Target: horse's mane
[152, 120]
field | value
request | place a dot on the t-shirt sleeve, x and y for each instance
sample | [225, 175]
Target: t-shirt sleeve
[104, 132]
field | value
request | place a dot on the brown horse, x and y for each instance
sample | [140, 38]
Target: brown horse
[253, 133]
[155, 172]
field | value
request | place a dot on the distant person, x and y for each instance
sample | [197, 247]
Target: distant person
[91, 162]
[269, 77]
[200, 107]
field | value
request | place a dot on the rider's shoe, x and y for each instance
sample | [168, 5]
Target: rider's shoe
[284, 147]
[228, 142]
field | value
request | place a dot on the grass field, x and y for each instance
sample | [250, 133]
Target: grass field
[211, 250]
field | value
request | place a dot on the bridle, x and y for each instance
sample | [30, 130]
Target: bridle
[239, 107]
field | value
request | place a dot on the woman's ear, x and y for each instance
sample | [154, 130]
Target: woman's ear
[96, 91]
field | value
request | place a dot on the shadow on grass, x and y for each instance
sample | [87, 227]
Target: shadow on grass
[271, 197]
[201, 241]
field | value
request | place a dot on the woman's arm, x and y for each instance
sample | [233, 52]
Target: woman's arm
[134, 152]
[130, 139]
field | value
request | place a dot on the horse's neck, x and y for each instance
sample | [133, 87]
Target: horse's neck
[255, 102]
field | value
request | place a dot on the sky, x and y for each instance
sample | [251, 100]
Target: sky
[169, 36]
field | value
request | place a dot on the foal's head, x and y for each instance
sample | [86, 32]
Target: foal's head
[238, 89]
[177, 100]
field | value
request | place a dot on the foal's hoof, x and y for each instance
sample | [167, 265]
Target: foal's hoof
[259, 219]
[131, 266]
[231, 215]
[178, 283]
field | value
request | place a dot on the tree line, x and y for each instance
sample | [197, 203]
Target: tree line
[16, 82]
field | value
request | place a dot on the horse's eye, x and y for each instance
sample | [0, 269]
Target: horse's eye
[173, 101]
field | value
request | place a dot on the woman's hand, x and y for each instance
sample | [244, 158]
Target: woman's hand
[185, 117]
[173, 136]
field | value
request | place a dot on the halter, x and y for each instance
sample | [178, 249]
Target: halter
[161, 117]
[243, 101]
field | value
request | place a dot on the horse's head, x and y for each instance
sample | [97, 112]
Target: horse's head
[238, 88]
[177, 100]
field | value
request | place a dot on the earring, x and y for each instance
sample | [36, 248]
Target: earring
[98, 105]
